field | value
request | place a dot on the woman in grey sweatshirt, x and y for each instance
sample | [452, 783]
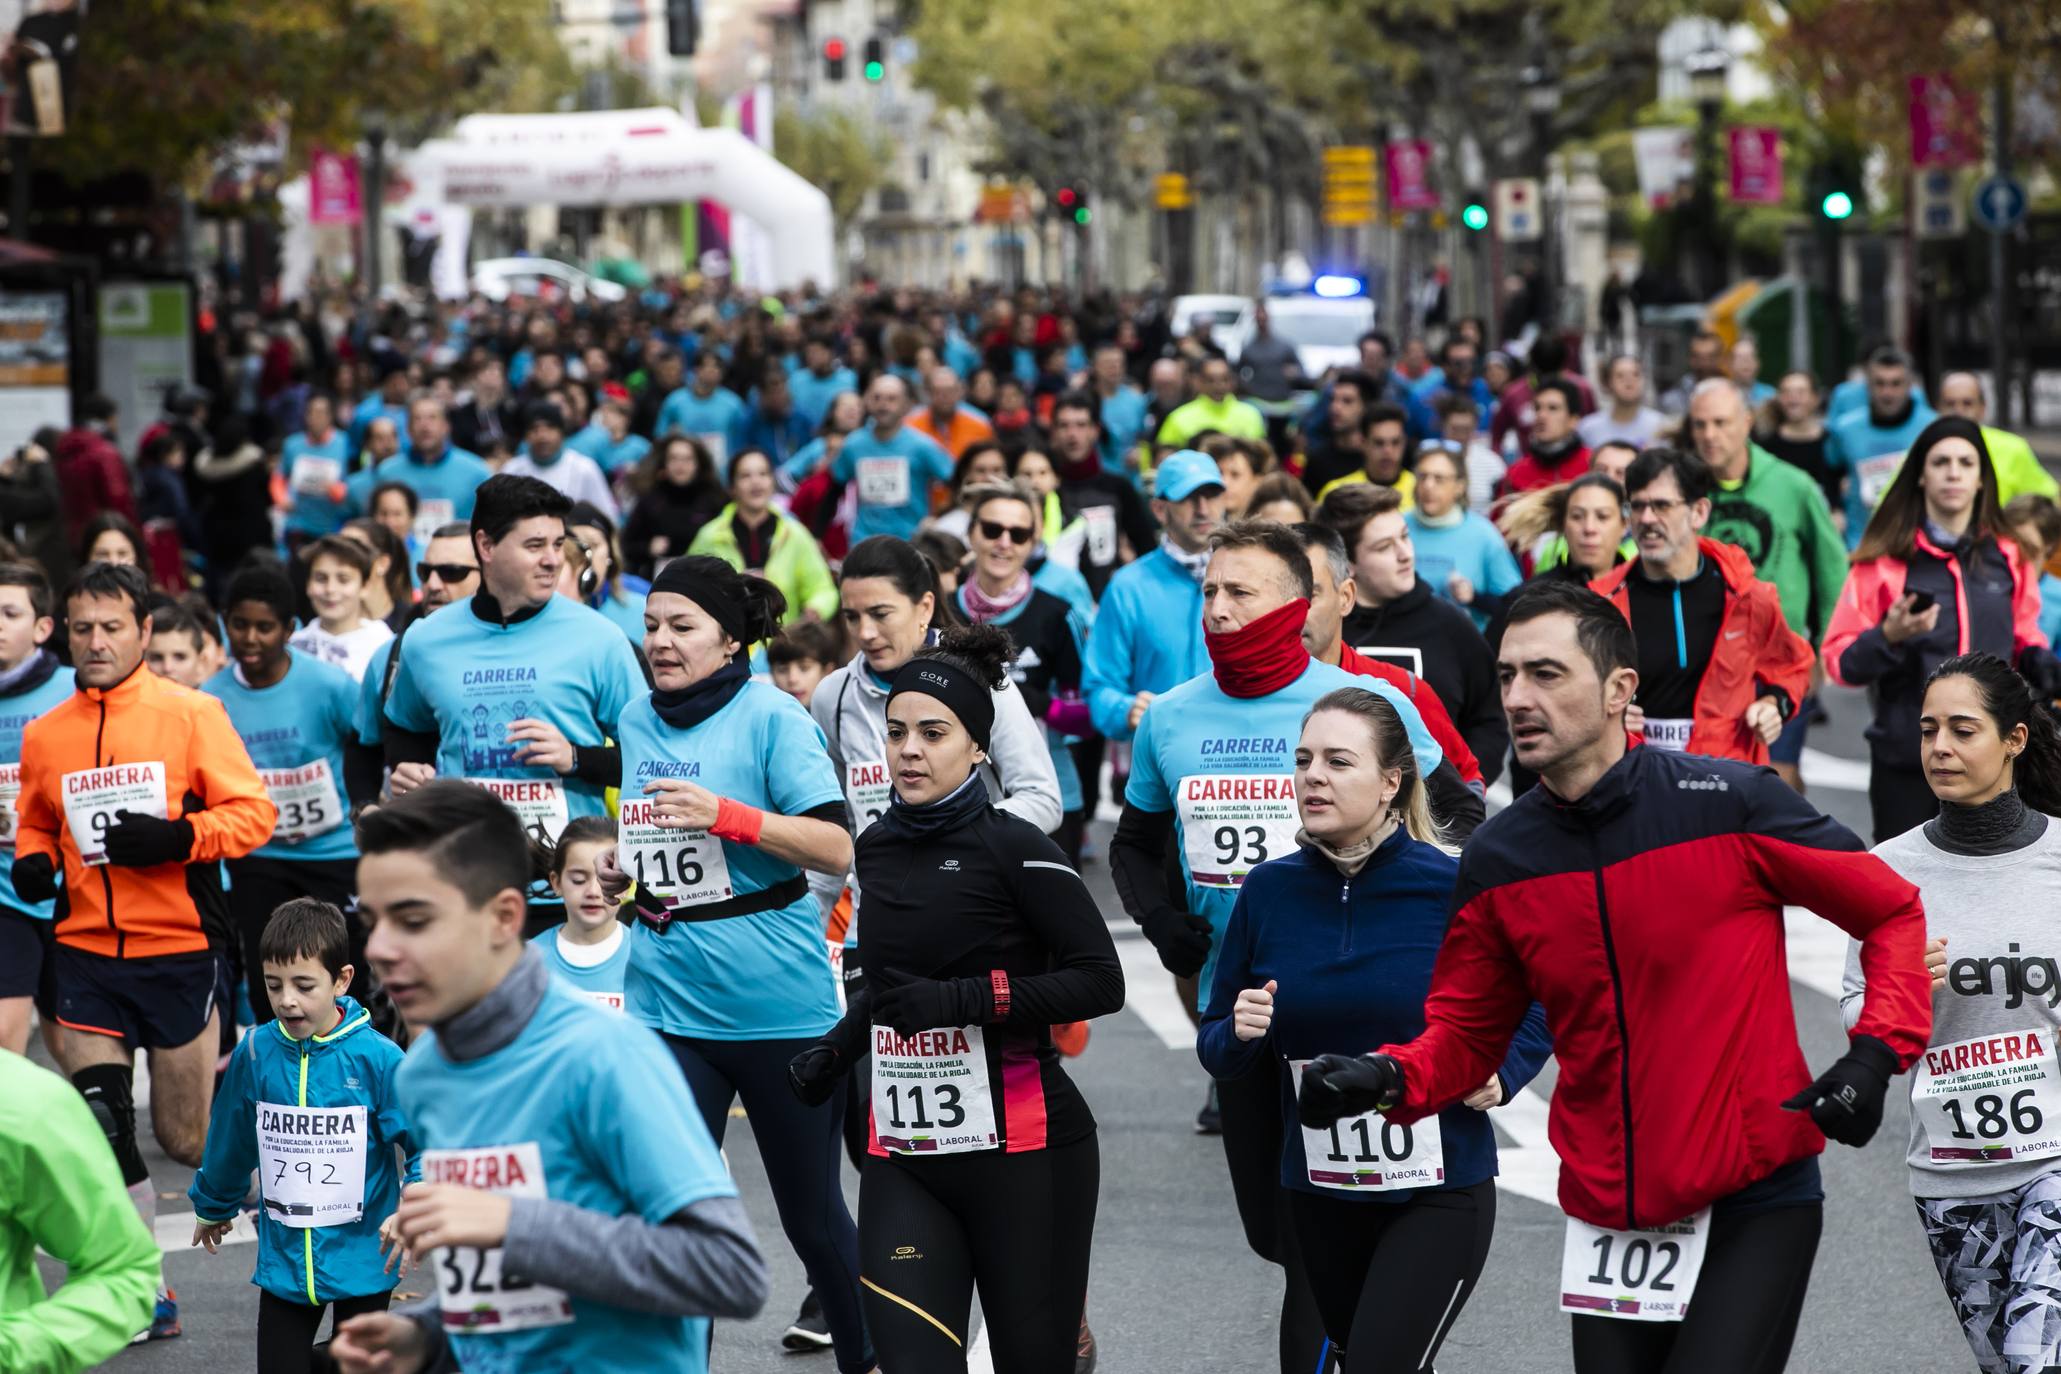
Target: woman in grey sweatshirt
[1985, 1146]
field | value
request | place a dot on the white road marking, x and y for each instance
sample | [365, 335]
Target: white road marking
[979, 1360]
[1817, 951]
[1149, 989]
[175, 1232]
[1829, 770]
[1531, 1167]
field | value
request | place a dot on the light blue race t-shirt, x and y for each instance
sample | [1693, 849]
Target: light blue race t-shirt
[15, 714]
[600, 981]
[295, 731]
[584, 1108]
[763, 976]
[894, 477]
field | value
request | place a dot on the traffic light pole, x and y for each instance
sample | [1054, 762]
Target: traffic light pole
[1999, 251]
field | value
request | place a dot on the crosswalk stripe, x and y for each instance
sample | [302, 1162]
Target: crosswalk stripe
[1149, 989]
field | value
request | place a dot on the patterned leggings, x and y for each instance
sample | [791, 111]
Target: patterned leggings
[2000, 1259]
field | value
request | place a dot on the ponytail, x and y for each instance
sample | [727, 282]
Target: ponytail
[2011, 702]
[548, 859]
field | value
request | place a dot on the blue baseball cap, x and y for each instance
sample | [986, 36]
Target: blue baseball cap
[1180, 475]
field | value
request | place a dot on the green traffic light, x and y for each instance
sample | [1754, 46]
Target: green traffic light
[875, 70]
[1836, 205]
[1475, 217]
[1081, 216]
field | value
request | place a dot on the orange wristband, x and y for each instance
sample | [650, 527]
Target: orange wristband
[737, 822]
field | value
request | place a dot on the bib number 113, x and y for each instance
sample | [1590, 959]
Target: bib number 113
[943, 1099]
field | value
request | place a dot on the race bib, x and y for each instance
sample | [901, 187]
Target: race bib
[307, 800]
[1370, 1154]
[311, 1164]
[1231, 823]
[430, 516]
[884, 481]
[686, 866]
[867, 792]
[718, 446]
[10, 796]
[1671, 735]
[836, 951]
[473, 1293]
[1401, 655]
[92, 796]
[1991, 1099]
[1875, 474]
[539, 802]
[930, 1092]
[314, 476]
[611, 1000]
[1101, 534]
[1647, 1275]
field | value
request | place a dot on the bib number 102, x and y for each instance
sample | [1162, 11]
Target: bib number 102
[1395, 1141]
[1991, 1121]
[944, 1100]
[1635, 1261]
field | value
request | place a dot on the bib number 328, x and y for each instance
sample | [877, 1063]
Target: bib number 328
[474, 1293]
[1644, 1275]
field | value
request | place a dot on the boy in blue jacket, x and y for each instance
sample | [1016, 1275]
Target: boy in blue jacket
[308, 1102]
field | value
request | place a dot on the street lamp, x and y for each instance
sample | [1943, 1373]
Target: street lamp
[1707, 68]
[1542, 101]
[374, 199]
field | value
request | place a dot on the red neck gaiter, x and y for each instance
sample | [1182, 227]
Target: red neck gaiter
[1265, 656]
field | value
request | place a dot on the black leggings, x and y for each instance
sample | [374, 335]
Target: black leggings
[286, 1330]
[1252, 1136]
[1742, 1317]
[1399, 1271]
[1019, 1227]
[258, 887]
[799, 1146]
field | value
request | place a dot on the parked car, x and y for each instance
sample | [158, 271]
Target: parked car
[499, 278]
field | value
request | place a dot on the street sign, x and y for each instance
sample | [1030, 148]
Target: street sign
[1518, 217]
[1999, 204]
[1170, 191]
[1352, 186]
[1937, 210]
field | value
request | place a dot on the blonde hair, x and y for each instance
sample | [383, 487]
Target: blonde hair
[1412, 802]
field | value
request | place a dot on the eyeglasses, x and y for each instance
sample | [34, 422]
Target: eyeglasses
[447, 572]
[1646, 507]
[997, 531]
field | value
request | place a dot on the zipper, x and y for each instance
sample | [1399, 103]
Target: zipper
[1624, 1035]
[107, 870]
[307, 1232]
[1345, 913]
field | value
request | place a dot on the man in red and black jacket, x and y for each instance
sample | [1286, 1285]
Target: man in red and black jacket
[1638, 894]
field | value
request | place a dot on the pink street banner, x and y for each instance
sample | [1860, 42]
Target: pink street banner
[1946, 126]
[1756, 166]
[1409, 175]
[333, 188]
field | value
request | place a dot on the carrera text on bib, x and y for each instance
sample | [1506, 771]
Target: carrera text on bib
[311, 1164]
[92, 797]
[1231, 823]
[1991, 1099]
[931, 1094]
[1647, 1275]
[1370, 1154]
[686, 866]
[307, 800]
[474, 1293]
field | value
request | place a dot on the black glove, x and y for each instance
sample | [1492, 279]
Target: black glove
[1846, 1100]
[1336, 1086]
[136, 841]
[35, 878]
[2040, 668]
[813, 1074]
[908, 1004]
[1182, 939]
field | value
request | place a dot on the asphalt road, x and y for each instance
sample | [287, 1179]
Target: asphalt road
[1175, 1289]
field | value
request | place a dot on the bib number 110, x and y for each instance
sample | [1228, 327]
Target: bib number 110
[1396, 1141]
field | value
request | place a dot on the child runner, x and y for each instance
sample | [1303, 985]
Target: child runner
[590, 950]
[342, 635]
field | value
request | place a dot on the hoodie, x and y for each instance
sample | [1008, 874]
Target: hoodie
[1437, 641]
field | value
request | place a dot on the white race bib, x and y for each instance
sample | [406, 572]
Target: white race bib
[686, 866]
[1370, 1154]
[884, 481]
[92, 796]
[1671, 735]
[314, 475]
[867, 792]
[311, 1164]
[473, 1293]
[1231, 823]
[1647, 1275]
[1875, 474]
[930, 1092]
[540, 802]
[430, 516]
[307, 800]
[1101, 534]
[10, 798]
[718, 446]
[1991, 1099]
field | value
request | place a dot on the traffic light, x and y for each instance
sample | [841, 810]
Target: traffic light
[1836, 187]
[876, 59]
[682, 29]
[1072, 200]
[833, 59]
[1474, 215]
[1836, 205]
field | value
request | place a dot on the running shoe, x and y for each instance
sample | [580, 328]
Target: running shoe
[1084, 1354]
[1210, 1120]
[811, 1331]
[164, 1321]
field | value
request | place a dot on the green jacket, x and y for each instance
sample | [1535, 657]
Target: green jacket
[795, 565]
[2017, 467]
[1779, 517]
[61, 1189]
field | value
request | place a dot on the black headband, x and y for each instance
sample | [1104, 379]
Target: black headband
[968, 697]
[707, 582]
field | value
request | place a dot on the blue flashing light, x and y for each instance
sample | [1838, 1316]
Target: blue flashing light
[1333, 288]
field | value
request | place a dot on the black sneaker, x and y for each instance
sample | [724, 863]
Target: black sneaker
[810, 1330]
[1210, 1120]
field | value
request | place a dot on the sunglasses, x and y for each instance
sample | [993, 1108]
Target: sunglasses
[996, 530]
[448, 572]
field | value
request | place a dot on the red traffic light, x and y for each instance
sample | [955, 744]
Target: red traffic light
[833, 50]
[1068, 197]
